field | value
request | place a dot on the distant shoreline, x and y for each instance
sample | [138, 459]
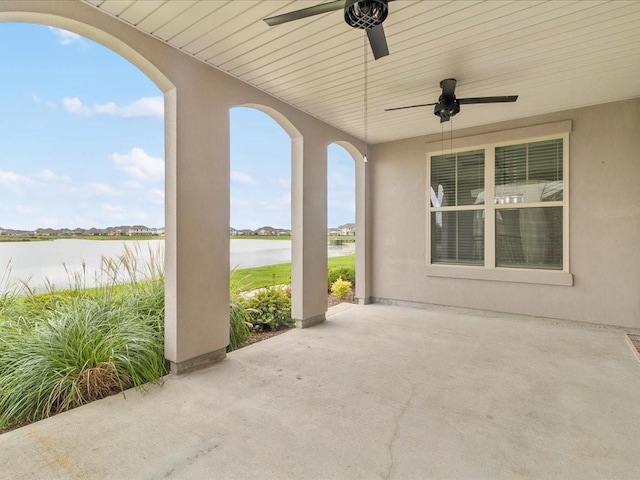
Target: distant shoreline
[78, 237]
[343, 238]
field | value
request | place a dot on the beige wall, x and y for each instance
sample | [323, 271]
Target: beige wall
[604, 224]
[197, 103]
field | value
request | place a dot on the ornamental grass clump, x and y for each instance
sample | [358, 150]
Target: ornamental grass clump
[239, 323]
[60, 350]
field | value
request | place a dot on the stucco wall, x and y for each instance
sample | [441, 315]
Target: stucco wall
[604, 231]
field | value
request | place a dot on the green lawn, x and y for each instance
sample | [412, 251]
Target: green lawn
[260, 277]
[23, 239]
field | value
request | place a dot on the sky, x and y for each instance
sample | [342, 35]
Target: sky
[82, 143]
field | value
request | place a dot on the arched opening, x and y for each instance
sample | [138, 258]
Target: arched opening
[260, 220]
[362, 260]
[72, 170]
[341, 222]
[83, 158]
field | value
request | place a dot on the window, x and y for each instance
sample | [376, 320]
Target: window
[457, 224]
[528, 200]
[500, 209]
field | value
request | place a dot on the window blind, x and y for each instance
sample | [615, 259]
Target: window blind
[457, 236]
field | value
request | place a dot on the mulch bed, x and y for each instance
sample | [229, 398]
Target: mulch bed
[13, 427]
[259, 336]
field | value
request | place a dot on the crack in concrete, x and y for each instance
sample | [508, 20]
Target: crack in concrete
[396, 430]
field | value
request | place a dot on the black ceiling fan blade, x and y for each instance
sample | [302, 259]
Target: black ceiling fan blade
[503, 99]
[305, 12]
[448, 86]
[410, 106]
[378, 41]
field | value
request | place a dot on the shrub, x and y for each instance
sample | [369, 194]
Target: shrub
[341, 288]
[270, 309]
[346, 273]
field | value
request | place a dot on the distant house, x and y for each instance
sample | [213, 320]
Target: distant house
[46, 232]
[334, 232]
[264, 231]
[141, 230]
[117, 231]
[348, 229]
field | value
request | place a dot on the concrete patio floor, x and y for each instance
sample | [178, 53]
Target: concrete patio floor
[375, 392]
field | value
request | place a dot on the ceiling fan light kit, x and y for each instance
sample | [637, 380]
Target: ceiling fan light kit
[367, 15]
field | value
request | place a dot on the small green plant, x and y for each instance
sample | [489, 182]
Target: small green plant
[346, 273]
[341, 288]
[270, 309]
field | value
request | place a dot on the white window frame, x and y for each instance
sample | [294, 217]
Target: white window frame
[489, 142]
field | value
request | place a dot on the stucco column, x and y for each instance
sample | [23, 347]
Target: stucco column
[363, 248]
[197, 230]
[309, 231]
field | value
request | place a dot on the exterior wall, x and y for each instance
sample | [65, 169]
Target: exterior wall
[604, 215]
[197, 102]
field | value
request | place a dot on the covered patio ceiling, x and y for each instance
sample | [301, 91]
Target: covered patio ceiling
[555, 55]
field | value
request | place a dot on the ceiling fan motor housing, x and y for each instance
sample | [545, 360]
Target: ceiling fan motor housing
[446, 108]
[365, 14]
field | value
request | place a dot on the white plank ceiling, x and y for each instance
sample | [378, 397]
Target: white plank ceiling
[555, 55]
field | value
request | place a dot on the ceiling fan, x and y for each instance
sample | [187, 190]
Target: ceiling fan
[364, 14]
[448, 105]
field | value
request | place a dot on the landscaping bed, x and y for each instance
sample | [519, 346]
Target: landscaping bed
[62, 349]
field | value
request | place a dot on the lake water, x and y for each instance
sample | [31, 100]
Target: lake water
[37, 262]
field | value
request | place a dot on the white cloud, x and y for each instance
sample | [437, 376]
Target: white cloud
[242, 178]
[144, 107]
[284, 183]
[14, 180]
[338, 180]
[75, 105]
[139, 165]
[157, 196]
[285, 199]
[38, 101]
[24, 209]
[132, 184]
[65, 37]
[96, 189]
[50, 177]
[110, 208]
